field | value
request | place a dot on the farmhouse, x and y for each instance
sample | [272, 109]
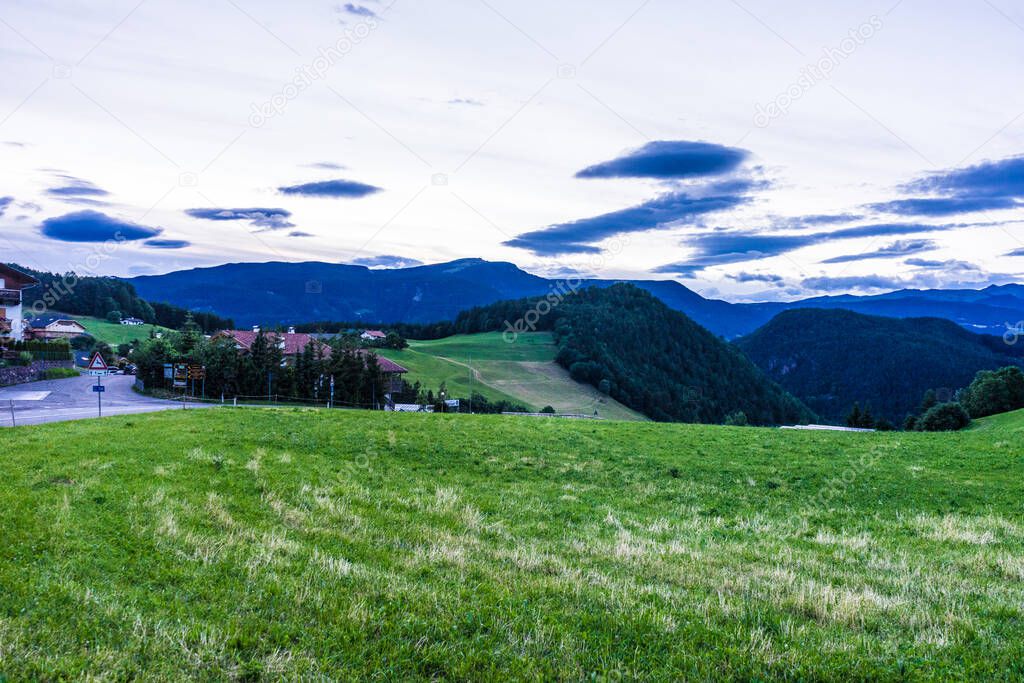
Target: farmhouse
[12, 281]
[132, 321]
[53, 327]
[291, 343]
[373, 335]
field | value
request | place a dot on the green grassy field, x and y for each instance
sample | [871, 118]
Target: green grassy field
[253, 544]
[524, 372]
[115, 333]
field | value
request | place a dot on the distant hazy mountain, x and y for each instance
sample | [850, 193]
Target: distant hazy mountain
[830, 359]
[287, 293]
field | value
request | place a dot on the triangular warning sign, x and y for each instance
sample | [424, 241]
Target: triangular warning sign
[97, 362]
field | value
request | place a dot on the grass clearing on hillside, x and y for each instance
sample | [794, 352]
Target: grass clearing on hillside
[114, 333]
[286, 543]
[524, 372]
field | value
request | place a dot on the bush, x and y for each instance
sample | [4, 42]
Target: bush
[548, 410]
[737, 419]
[60, 373]
[945, 417]
[25, 358]
[992, 393]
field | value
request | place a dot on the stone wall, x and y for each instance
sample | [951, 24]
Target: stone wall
[29, 373]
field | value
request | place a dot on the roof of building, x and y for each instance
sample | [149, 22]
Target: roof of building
[24, 280]
[386, 365]
[43, 321]
[375, 333]
[294, 342]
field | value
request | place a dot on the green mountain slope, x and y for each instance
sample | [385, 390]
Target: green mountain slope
[831, 359]
[652, 359]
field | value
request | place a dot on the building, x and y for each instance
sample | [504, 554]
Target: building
[132, 321]
[53, 327]
[291, 343]
[12, 326]
[373, 335]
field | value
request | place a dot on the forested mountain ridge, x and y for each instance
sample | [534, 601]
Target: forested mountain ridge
[653, 359]
[831, 359]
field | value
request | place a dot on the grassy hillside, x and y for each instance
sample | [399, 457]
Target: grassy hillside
[114, 333]
[831, 359]
[285, 544]
[524, 372]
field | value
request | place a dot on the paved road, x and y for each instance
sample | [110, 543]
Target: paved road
[73, 399]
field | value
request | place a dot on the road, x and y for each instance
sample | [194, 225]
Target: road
[73, 399]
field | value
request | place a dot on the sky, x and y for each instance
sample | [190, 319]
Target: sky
[752, 149]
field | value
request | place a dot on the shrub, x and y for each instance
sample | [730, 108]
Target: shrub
[60, 373]
[945, 417]
[25, 358]
[737, 419]
[996, 392]
[548, 410]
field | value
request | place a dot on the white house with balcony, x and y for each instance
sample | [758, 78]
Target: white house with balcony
[12, 323]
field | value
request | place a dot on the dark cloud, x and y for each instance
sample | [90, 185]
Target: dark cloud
[834, 284]
[358, 10]
[944, 206]
[300, 233]
[668, 210]
[897, 249]
[723, 247]
[4, 203]
[1016, 252]
[268, 219]
[386, 261]
[756, 277]
[989, 186]
[93, 226]
[167, 244]
[950, 265]
[670, 159]
[76, 187]
[331, 188]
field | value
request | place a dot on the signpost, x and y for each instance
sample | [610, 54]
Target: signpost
[97, 366]
[98, 390]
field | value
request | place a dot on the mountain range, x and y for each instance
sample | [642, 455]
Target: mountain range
[279, 293]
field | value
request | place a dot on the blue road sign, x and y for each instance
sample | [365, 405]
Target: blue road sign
[99, 388]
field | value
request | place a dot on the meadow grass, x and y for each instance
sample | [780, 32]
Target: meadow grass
[260, 543]
[523, 371]
[115, 333]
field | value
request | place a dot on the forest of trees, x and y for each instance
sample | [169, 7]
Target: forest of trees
[105, 297]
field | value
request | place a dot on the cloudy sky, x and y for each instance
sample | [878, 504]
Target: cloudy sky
[751, 149]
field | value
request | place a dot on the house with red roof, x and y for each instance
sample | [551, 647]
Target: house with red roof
[373, 335]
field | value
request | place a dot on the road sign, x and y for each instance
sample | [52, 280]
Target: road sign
[196, 372]
[180, 375]
[99, 388]
[168, 371]
[97, 366]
